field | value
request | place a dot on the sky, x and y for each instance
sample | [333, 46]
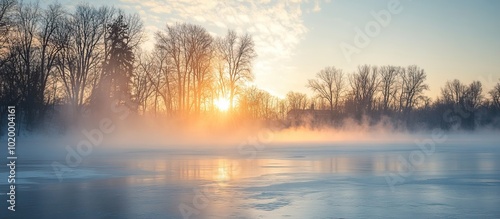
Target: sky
[295, 39]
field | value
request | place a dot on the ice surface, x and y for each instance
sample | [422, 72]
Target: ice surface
[460, 179]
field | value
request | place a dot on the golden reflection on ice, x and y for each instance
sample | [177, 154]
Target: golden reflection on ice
[226, 170]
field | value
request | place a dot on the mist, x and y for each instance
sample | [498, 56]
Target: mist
[106, 114]
[226, 136]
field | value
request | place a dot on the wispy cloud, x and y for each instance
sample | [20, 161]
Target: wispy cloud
[276, 26]
[317, 7]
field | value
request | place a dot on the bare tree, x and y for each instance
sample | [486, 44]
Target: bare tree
[161, 78]
[495, 95]
[202, 65]
[30, 56]
[79, 63]
[49, 47]
[473, 97]
[296, 100]
[469, 97]
[413, 86]
[328, 85]
[453, 92]
[258, 104]
[389, 85]
[143, 87]
[6, 7]
[135, 30]
[6, 23]
[189, 54]
[364, 84]
[221, 78]
[338, 88]
[27, 21]
[237, 53]
[8, 89]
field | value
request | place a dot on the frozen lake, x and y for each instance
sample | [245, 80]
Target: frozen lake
[459, 180]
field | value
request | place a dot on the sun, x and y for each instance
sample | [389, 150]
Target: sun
[222, 103]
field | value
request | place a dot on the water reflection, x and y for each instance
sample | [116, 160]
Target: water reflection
[152, 185]
[179, 169]
[192, 168]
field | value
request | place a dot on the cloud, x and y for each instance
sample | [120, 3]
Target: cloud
[276, 26]
[316, 8]
[279, 22]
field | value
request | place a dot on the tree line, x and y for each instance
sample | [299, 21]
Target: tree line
[398, 93]
[56, 64]
[81, 60]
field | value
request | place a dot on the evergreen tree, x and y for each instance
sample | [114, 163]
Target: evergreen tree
[118, 66]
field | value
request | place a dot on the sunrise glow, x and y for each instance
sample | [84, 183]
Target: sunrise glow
[250, 109]
[222, 104]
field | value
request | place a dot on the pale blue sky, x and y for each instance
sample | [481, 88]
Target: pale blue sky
[297, 38]
[449, 39]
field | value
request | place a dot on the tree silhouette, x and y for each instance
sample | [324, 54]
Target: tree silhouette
[328, 85]
[119, 65]
[237, 54]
